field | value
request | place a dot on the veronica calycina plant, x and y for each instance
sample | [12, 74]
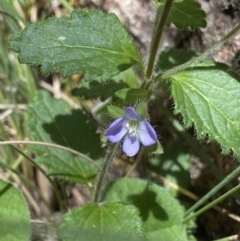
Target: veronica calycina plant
[98, 47]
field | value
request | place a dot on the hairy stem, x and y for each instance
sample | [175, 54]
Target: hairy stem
[160, 20]
[198, 59]
[103, 174]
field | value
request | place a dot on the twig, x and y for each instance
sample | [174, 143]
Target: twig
[51, 145]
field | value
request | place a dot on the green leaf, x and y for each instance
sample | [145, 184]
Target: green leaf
[209, 97]
[93, 43]
[102, 222]
[155, 149]
[133, 95]
[161, 214]
[51, 120]
[96, 89]
[115, 112]
[185, 14]
[15, 217]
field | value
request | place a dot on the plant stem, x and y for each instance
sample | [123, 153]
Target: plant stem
[198, 59]
[157, 34]
[103, 174]
[66, 5]
[213, 191]
[211, 204]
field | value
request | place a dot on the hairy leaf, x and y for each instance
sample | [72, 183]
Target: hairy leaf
[15, 217]
[51, 120]
[162, 216]
[209, 97]
[102, 222]
[92, 43]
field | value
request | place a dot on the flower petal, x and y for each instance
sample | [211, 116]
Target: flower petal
[116, 130]
[131, 114]
[131, 145]
[146, 133]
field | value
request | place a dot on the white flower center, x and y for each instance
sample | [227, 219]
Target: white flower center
[132, 127]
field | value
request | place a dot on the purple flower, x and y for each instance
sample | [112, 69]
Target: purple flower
[133, 130]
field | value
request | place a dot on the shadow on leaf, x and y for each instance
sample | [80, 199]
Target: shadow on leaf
[75, 131]
[146, 203]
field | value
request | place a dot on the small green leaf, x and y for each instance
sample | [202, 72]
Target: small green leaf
[133, 95]
[96, 89]
[102, 222]
[141, 109]
[129, 77]
[51, 120]
[185, 14]
[155, 149]
[93, 43]
[161, 214]
[209, 97]
[15, 217]
[115, 112]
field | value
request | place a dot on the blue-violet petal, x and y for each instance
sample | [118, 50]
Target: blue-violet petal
[146, 133]
[116, 130]
[131, 145]
[131, 114]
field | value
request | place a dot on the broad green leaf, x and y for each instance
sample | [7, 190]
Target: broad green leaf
[102, 222]
[51, 120]
[133, 95]
[14, 214]
[161, 214]
[93, 43]
[185, 14]
[209, 97]
[96, 89]
[115, 112]
[174, 165]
